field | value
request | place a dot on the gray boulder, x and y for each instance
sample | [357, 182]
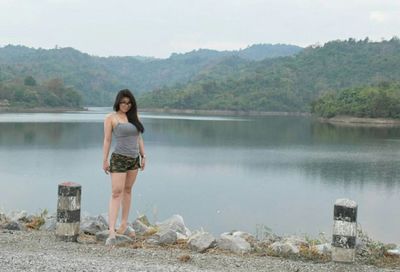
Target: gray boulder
[17, 215]
[92, 225]
[394, 252]
[152, 240]
[296, 241]
[284, 248]
[246, 236]
[3, 218]
[143, 219]
[271, 238]
[50, 223]
[14, 225]
[323, 249]
[166, 237]
[267, 240]
[201, 241]
[233, 243]
[29, 218]
[140, 228]
[175, 223]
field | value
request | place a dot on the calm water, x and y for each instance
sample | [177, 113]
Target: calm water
[219, 173]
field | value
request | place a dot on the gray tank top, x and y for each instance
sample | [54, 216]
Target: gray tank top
[127, 137]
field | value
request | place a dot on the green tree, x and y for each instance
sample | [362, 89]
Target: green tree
[30, 81]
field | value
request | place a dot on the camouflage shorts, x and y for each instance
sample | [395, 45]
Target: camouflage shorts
[120, 163]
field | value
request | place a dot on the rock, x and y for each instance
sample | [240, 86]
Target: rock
[103, 235]
[17, 215]
[246, 236]
[3, 218]
[174, 223]
[50, 223]
[152, 240]
[267, 240]
[233, 243]
[361, 245]
[180, 236]
[296, 241]
[29, 218]
[152, 230]
[201, 241]
[92, 225]
[167, 237]
[140, 228]
[323, 249]
[394, 252]
[284, 248]
[143, 219]
[391, 246]
[14, 225]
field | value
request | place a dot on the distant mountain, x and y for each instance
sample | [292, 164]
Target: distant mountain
[264, 51]
[286, 83]
[254, 52]
[98, 78]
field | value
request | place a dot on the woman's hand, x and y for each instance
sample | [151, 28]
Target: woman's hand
[106, 167]
[143, 164]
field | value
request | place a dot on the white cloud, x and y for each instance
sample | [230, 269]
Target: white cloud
[159, 28]
[378, 16]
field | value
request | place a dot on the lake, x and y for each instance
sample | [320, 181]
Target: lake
[219, 173]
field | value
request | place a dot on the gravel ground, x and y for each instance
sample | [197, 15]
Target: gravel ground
[40, 251]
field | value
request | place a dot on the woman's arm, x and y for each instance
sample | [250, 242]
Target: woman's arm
[107, 142]
[142, 153]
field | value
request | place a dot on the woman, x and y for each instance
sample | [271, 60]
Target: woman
[127, 157]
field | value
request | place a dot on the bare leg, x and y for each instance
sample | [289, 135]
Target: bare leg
[117, 187]
[126, 198]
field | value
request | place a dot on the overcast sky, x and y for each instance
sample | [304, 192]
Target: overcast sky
[159, 28]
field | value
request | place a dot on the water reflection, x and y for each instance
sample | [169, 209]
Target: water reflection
[50, 135]
[329, 133]
[219, 173]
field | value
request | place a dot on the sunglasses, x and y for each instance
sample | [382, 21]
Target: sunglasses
[126, 103]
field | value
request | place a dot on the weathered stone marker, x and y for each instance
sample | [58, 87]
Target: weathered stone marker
[344, 231]
[68, 211]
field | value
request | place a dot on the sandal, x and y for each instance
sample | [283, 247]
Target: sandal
[111, 241]
[129, 231]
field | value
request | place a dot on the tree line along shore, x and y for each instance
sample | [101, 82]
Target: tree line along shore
[358, 78]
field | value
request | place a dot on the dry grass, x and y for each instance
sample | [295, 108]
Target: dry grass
[375, 252]
[388, 261]
[37, 221]
[184, 258]
[35, 224]
[311, 253]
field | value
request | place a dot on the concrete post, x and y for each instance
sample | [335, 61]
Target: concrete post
[344, 231]
[68, 211]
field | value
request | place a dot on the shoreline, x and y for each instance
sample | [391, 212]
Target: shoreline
[349, 121]
[40, 251]
[40, 110]
[360, 121]
[24, 239]
[225, 112]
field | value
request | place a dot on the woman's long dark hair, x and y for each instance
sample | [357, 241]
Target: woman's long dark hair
[132, 113]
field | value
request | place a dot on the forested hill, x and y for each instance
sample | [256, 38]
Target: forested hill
[98, 78]
[286, 83]
[380, 100]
